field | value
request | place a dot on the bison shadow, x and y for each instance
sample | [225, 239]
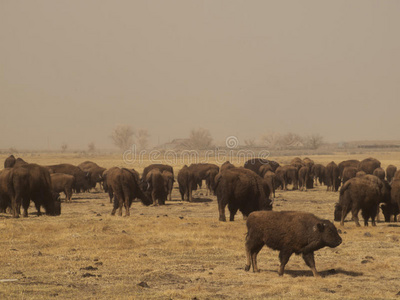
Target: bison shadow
[201, 200]
[326, 273]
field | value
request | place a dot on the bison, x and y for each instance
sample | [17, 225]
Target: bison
[288, 232]
[241, 189]
[392, 207]
[94, 170]
[347, 163]
[82, 179]
[318, 171]
[255, 164]
[380, 173]
[332, 177]
[162, 168]
[368, 165]
[360, 193]
[390, 171]
[9, 162]
[348, 173]
[187, 183]
[157, 187]
[125, 185]
[63, 183]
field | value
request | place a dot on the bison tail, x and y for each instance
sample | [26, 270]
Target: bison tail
[344, 187]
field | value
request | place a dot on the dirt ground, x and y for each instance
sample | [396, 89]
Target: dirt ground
[182, 251]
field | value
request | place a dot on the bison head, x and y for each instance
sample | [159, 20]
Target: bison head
[328, 234]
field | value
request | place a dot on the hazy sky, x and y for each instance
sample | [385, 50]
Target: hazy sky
[71, 70]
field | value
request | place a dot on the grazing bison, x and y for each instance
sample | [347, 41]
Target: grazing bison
[332, 177]
[368, 165]
[380, 173]
[106, 187]
[94, 170]
[241, 189]
[318, 171]
[162, 168]
[32, 182]
[9, 162]
[157, 188]
[288, 232]
[256, 163]
[187, 183]
[348, 173]
[347, 163]
[390, 171]
[63, 183]
[360, 193]
[125, 186]
[82, 179]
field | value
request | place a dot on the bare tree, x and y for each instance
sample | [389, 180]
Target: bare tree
[200, 138]
[291, 140]
[142, 138]
[271, 140]
[251, 142]
[91, 147]
[122, 136]
[314, 141]
[64, 147]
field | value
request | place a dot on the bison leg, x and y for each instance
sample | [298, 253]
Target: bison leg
[354, 213]
[284, 258]
[154, 198]
[221, 210]
[309, 260]
[252, 250]
[25, 206]
[232, 213]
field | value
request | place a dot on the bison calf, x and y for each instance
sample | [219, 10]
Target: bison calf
[289, 232]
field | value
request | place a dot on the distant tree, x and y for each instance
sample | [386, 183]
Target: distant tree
[314, 141]
[142, 138]
[291, 140]
[122, 136]
[200, 138]
[271, 140]
[64, 147]
[91, 147]
[251, 142]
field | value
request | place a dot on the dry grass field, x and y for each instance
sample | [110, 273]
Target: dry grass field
[182, 251]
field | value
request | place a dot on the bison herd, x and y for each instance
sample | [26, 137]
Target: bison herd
[364, 186]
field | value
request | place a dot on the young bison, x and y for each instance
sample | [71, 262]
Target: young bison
[289, 232]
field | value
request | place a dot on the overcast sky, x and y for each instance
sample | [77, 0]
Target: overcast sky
[72, 70]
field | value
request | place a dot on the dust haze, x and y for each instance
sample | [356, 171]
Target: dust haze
[70, 71]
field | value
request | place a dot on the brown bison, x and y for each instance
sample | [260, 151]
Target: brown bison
[288, 232]
[347, 163]
[287, 175]
[210, 180]
[82, 179]
[32, 182]
[187, 183]
[169, 180]
[318, 171]
[5, 190]
[201, 170]
[9, 162]
[380, 173]
[304, 177]
[368, 165]
[392, 207]
[157, 188]
[360, 193]
[332, 177]
[125, 186]
[390, 171]
[255, 164]
[348, 173]
[162, 168]
[94, 170]
[226, 165]
[241, 189]
[63, 183]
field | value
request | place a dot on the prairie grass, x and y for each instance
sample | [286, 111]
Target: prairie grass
[182, 251]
